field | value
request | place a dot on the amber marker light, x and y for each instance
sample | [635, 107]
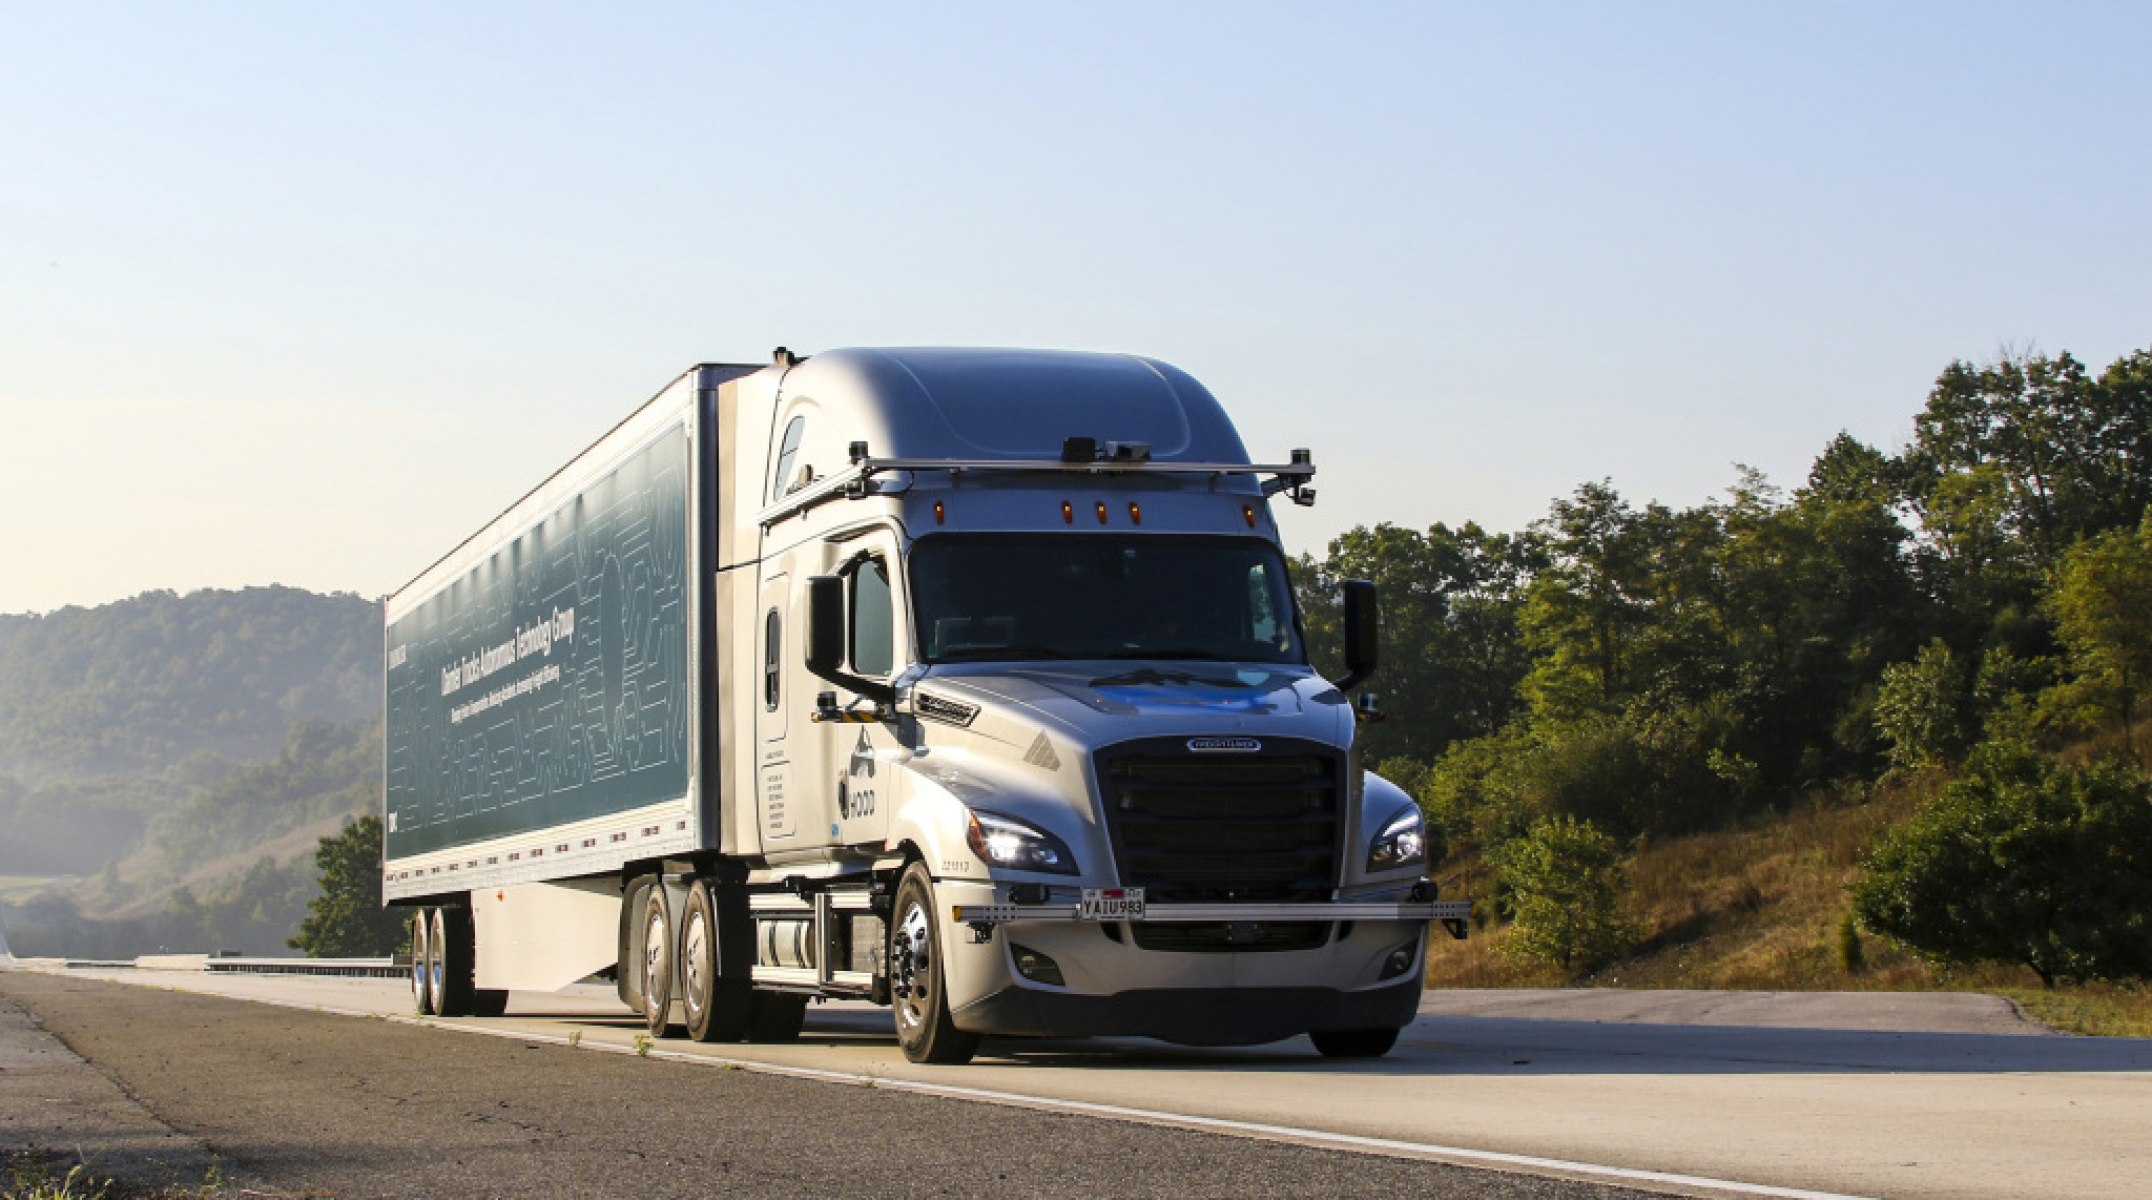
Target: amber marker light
[1068, 513]
[939, 514]
[1135, 512]
[1247, 513]
[1102, 512]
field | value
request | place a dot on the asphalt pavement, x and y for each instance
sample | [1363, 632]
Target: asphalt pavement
[164, 1086]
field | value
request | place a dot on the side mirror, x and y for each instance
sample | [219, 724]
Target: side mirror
[825, 626]
[825, 640]
[1363, 633]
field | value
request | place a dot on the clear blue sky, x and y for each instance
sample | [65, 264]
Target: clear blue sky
[303, 293]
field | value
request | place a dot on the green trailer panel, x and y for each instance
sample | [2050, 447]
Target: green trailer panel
[551, 682]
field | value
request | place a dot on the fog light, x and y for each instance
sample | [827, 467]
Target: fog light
[1035, 966]
[1400, 960]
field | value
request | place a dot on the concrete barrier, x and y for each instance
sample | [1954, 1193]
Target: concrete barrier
[172, 962]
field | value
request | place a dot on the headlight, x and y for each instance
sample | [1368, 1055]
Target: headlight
[1007, 842]
[1402, 842]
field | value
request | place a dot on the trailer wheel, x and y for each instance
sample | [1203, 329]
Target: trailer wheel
[916, 987]
[1354, 1043]
[452, 961]
[657, 964]
[422, 961]
[718, 1009]
[777, 1017]
[628, 965]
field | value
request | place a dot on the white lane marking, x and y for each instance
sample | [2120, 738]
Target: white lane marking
[1318, 1138]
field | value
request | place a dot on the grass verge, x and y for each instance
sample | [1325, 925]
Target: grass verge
[1764, 907]
[42, 1174]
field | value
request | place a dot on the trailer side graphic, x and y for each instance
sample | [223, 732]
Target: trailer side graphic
[550, 683]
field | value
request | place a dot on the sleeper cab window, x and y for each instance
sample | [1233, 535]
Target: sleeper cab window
[788, 450]
[873, 624]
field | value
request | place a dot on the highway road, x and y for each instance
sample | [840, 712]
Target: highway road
[1685, 1093]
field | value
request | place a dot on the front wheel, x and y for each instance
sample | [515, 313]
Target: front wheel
[916, 979]
[1354, 1043]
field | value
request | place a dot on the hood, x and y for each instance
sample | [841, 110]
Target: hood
[1100, 703]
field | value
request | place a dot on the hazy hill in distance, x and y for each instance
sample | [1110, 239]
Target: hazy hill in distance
[141, 684]
[115, 721]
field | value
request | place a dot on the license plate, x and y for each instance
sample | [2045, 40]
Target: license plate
[1111, 904]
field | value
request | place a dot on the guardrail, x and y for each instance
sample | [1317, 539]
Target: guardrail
[363, 968]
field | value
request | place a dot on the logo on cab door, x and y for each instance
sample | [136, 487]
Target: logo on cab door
[1225, 745]
[852, 799]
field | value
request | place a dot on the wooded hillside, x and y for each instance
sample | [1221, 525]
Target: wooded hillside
[1635, 671]
[199, 742]
[142, 684]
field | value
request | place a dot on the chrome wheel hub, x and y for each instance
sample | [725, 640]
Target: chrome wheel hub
[911, 965]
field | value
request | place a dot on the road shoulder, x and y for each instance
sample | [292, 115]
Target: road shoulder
[58, 1111]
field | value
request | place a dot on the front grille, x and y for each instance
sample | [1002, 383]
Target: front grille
[1194, 828]
[1222, 938]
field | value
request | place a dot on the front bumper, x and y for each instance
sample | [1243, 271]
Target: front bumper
[986, 916]
[1192, 1016]
[1354, 978]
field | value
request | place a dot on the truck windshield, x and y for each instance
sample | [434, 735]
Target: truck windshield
[1026, 597]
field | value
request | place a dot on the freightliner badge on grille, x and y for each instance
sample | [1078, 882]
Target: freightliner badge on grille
[1225, 745]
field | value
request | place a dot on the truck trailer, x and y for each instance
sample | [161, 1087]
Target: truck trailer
[967, 682]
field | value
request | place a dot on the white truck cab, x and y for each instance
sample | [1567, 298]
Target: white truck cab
[989, 700]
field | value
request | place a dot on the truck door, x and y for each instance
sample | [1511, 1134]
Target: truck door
[858, 757]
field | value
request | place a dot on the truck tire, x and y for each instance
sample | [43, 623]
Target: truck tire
[656, 983]
[916, 987]
[778, 1017]
[1354, 1043]
[453, 956]
[719, 1009]
[628, 967]
[422, 961]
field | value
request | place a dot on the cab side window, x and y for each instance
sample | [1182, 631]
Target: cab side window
[872, 635]
[787, 451]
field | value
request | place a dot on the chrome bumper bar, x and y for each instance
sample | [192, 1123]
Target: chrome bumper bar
[1182, 914]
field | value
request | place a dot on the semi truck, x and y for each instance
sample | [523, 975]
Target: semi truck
[968, 682]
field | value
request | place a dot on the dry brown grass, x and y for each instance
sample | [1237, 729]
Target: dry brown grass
[1760, 908]
[2108, 1011]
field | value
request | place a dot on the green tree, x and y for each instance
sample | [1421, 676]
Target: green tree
[1452, 654]
[2014, 462]
[2023, 861]
[1920, 707]
[2102, 604]
[347, 919]
[1564, 880]
[1586, 613]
